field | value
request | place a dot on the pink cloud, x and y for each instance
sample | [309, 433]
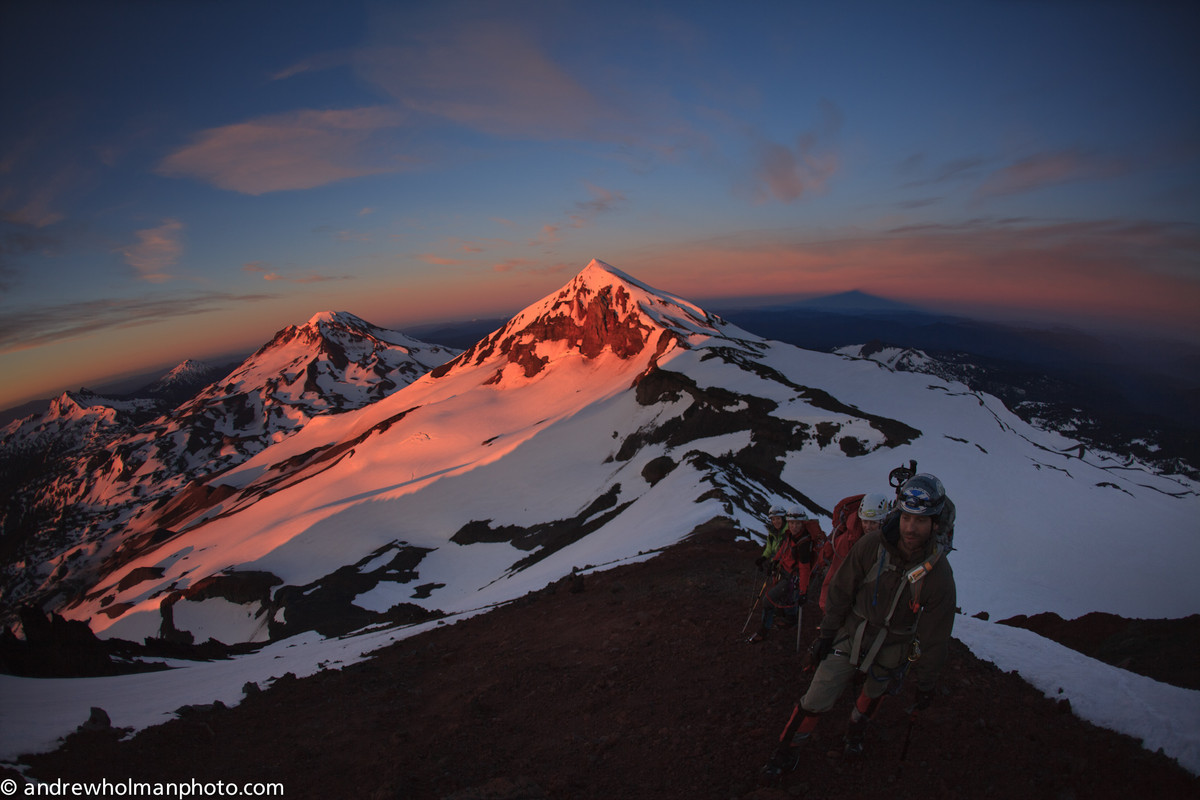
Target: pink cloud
[602, 201]
[786, 173]
[268, 274]
[441, 261]
[1048, 169]
[296, 150]
[548, 235]
[157, 249]
[492, 76]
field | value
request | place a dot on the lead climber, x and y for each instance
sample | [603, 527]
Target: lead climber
[894, 589]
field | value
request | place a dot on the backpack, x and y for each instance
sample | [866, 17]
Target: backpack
[842, 511]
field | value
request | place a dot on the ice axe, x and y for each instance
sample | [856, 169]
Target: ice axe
[900, 475]
[757, 598]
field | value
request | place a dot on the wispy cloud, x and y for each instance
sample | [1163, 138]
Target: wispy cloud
[547, 235]
[38, 175]
[296, 150]
[510, 264]
[19, 241]
[532, 266]
[318, 63]
[965, 168]
[788, 172]
[37, 209]
[440, 261]
[21, 329]
[492, 76]
[603, 201]
[270, 274]
[157, 249]
[1049, 169]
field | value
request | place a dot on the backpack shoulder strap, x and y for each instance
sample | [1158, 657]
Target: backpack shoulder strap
[912, 577]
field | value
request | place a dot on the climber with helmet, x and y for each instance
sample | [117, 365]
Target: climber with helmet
[775, 533]
[792, 565]
[852, 517]
[894, 587]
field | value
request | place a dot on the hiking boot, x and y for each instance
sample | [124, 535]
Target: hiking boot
[854, 739]
[784, 759]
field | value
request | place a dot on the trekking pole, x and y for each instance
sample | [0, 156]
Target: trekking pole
[912, 721]
[758, 598]
[799, 619]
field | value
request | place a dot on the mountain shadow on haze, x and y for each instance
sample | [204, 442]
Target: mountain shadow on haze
[1139, 398]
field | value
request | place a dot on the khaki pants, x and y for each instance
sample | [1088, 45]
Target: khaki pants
[836, 672]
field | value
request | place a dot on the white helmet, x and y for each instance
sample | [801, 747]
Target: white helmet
[874, 507]
[797, 512]
[776, 511]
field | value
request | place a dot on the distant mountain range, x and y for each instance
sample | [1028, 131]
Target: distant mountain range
[347, 476]
[346, 486]
[91, 466]
[1137, 397]
[1140, 398]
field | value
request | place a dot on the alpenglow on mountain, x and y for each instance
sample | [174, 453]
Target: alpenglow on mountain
[114, 482]
[602, 423]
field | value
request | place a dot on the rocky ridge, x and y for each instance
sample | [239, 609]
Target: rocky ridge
[631, 683]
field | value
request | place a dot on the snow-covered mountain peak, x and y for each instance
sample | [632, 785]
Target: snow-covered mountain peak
[68, 405]
[189, 367]
[183, 381]
[337, 319]
[600, 310]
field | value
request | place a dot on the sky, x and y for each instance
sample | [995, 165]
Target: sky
[181, 180]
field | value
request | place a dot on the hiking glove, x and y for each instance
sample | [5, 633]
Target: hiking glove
[821, 648]
[924, 699]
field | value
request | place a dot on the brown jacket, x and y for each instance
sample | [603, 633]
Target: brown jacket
[853, 598]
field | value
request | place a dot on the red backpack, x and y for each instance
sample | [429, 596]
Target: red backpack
[841, 519]
[841, 514]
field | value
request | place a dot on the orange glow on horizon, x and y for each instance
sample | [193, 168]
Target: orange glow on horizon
[1072, 280]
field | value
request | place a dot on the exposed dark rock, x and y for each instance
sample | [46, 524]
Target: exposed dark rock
[54, 647]
[98, 720]
[658, 468]
[327, 605]
[548, 537]
[1148, 647]
[638, 687]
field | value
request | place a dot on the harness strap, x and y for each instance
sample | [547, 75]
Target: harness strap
[912, 577]
[881, 635]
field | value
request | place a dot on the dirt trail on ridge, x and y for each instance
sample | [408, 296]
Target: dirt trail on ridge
[629, 683]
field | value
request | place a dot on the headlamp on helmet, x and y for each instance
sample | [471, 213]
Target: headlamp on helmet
[922, 495]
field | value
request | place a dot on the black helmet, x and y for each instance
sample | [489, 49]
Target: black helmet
[923, 495]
